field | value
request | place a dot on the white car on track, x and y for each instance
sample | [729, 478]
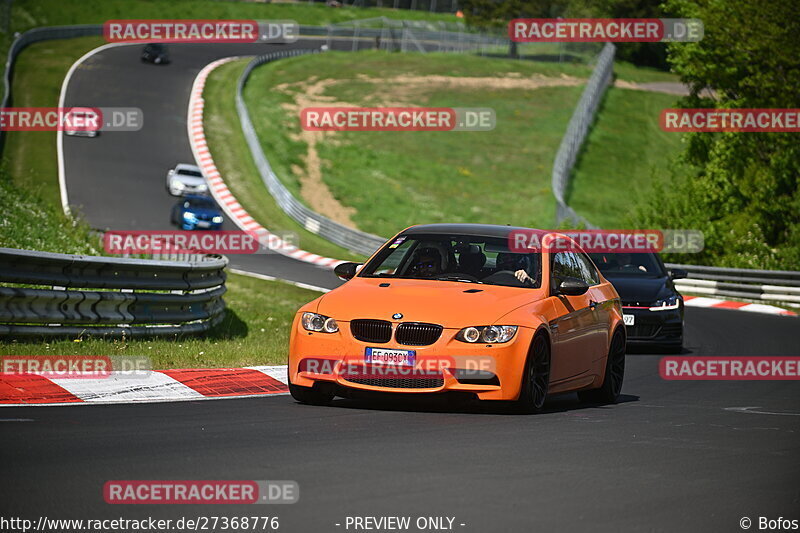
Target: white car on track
[186, 179]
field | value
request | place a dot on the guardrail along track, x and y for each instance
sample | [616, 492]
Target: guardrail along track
[782, 286]
[108, 296]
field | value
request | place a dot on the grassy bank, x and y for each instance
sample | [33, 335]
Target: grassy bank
[390, 180]
[30, 156]
[625, 155]
[27, 14]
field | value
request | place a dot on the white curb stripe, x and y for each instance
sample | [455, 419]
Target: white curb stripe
[127, 389]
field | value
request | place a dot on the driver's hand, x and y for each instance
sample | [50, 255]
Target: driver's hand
[522, 276]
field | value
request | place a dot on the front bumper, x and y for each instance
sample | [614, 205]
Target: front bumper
[491, 372]
[661, 328]
[196, 226]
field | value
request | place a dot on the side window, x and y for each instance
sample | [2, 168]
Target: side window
[565, 266]
[588, 270]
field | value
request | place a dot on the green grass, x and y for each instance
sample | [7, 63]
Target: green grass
[255, 331]
[625, 154]
[232, 158]
[30, 156]
[394, 180]
[630, 72]
[31, 13]
[32, 223]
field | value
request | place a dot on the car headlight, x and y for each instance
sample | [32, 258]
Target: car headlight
[178, 185]
[666, 304]
[189, 216]
[320, 323]
[487, 334]
[217, 220]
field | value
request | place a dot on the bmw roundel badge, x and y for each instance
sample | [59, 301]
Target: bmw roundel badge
[397, 316]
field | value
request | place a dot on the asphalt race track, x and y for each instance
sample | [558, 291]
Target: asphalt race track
[117, 180]
[672, 456]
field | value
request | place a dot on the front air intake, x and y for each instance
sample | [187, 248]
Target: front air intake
[417, 333]
[368, 330]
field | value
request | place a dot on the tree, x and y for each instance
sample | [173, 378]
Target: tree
[741, 189]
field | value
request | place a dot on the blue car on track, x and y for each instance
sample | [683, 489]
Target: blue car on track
[197, 212]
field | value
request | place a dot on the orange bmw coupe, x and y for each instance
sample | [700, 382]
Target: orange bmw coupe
[454, 308]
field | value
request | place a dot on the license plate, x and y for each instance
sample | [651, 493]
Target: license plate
[203, 224]
[390, 357]
[628, 319]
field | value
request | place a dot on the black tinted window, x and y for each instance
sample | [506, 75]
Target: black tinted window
[588, 270]
[628, 264]
[566, 265]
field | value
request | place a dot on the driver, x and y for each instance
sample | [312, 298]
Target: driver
[519, 264]
[428, 263]
[625, 262]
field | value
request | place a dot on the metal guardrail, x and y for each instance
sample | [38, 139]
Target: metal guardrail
[349, 238]
[190, 301]
[781, 286]
[576, 133]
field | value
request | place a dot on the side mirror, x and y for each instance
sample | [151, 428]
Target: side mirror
[678, 273]
[346, 271]
[573, 287]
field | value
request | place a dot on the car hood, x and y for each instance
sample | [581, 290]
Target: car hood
[194, 181]
[437, 302]
[203, 212]
[640, 289]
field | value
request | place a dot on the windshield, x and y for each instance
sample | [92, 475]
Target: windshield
[201, 203]
[628, 264]
[456, 258]
[187, 172]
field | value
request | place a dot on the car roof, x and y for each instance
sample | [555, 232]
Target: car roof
[477, 230]
[186, 166]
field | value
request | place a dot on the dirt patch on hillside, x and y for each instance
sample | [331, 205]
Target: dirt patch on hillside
[402, 90]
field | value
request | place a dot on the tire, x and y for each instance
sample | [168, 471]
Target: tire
[613, 376]
[535, 377]
[310, 395]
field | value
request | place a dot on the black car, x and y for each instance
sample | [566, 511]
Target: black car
[156, 53]
[652, 307]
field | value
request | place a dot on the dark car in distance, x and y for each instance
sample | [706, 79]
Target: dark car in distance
[652, 307]
[156, 53]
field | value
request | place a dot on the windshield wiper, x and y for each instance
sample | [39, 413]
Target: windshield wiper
[453, 277]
